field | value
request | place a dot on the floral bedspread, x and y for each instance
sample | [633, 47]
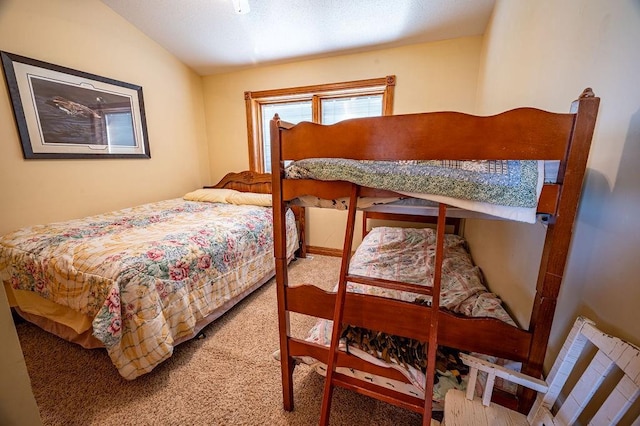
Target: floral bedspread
[408, 255]
[148, 274]
[505, 183]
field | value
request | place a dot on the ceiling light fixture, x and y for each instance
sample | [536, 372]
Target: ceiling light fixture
[241, 7]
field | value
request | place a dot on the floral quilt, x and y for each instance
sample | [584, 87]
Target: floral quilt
[148, 274]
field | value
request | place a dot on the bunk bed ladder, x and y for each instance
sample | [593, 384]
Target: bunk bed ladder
[334, 378]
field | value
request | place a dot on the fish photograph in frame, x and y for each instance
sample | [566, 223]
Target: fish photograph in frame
[65, 113]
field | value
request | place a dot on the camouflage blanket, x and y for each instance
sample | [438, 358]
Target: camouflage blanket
[404, 351]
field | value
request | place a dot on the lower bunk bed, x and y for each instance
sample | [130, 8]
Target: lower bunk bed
[141, 280]
[528, 134]
[407, 255]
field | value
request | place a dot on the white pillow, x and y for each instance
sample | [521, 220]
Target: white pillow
[210, 195]
[252, 198]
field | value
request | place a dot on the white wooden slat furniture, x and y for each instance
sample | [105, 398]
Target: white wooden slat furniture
[611, 360]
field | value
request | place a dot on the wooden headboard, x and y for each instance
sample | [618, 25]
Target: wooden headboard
[250, 181]
[246, 181]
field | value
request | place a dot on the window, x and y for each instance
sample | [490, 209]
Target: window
[113, 124]
[325, 104]
[119, 128]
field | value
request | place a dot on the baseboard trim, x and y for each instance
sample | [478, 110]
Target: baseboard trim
[324, 251]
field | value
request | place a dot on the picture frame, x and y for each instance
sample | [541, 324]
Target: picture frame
[64, 113]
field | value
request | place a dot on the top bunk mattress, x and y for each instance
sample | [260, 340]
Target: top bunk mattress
[507, 189]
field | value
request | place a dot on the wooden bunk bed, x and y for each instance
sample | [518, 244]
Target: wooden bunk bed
[523, 134]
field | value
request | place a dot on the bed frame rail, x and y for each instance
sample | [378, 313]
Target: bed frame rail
[487, 335]
[435, 136]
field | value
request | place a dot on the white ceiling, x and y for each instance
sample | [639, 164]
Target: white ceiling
[211, 38]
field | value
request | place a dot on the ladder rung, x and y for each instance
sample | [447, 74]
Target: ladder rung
[390, 284]
[379, 392]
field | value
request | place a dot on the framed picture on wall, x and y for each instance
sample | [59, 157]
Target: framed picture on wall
[64, 113]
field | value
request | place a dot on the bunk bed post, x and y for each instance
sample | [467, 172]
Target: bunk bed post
[280, 253]
[432, 344]
[558, 238]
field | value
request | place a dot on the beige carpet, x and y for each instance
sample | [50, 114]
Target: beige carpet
[227, 378]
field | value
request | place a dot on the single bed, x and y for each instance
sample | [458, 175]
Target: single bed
[139, 281]
[405, 255]
[530, 136]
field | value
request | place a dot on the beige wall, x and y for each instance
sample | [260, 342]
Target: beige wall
[430, 77]
[543, 54]
[88, 36]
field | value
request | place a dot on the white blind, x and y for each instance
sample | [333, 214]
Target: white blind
[333, 110]
[293, 112]
[338, 109]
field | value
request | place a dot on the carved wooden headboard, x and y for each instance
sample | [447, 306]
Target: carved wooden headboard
[246, 181]
[250, 181]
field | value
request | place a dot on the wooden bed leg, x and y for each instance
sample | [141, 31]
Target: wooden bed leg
[287, 363]
[280, 254]
[286, 367]
[300, 214]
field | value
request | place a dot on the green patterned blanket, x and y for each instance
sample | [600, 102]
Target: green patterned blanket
[510, 183]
